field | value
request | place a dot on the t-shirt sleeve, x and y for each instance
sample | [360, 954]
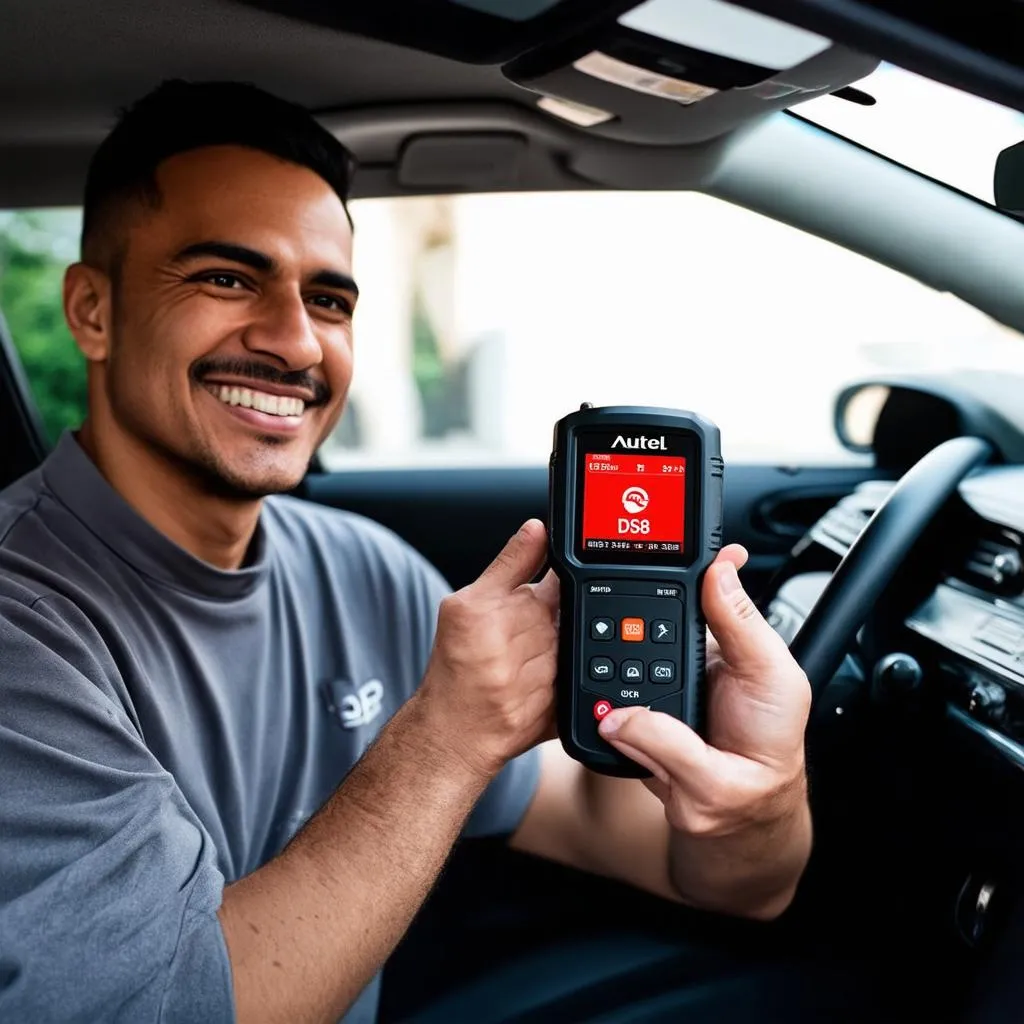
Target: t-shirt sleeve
[109, 886]
[505, 801]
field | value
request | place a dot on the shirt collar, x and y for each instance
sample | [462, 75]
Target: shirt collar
[77, 483]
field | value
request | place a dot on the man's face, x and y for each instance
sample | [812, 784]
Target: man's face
[232, 344]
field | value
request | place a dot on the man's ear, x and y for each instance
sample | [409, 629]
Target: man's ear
[88, 309]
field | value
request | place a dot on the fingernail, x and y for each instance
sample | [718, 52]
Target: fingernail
[609, 725]
[728, 579]
[614, 721]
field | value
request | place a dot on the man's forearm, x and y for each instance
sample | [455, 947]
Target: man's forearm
[306, 932]
[752, 872]
[617, 827]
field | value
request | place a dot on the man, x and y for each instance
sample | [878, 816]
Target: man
[186, 833]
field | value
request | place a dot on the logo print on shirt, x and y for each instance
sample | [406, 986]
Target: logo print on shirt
[355, 709]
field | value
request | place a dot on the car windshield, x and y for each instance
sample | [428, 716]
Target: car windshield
[947, 134]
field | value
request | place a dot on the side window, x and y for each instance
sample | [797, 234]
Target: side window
[35, 247]
[483, 319]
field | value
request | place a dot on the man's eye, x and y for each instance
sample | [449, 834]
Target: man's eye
[222, 280]
[332, 303]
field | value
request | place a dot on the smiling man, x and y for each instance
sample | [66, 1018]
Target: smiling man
[235, 267]
[240, 733]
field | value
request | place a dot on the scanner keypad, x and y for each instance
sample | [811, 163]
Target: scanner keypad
[632, 646]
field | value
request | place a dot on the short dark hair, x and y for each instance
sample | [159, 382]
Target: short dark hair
[179, 116]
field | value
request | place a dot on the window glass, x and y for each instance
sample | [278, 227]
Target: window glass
[35, 247]
[483, 319]
[950, 135]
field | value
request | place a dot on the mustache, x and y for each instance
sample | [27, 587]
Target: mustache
[254, 370]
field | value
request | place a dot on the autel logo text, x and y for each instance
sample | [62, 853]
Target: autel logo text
[645, 443]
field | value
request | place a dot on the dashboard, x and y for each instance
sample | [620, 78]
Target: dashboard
[916, 747]
[953, 639]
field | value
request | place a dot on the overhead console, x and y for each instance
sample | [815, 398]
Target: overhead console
[662, 72]
[682, 71]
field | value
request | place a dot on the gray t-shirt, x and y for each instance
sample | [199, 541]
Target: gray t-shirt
[166, 727]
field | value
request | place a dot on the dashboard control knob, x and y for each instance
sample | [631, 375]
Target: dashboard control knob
[987, 702]
[897, 675]
[1007, 563]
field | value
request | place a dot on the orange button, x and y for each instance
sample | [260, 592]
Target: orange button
[633, 630]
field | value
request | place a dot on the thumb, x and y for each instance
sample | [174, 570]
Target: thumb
[662, 744]
[747, 643]
[519, 560]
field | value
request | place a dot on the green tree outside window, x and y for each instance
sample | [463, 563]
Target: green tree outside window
[35, 247]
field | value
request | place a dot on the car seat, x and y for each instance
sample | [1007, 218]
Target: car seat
[23, 443]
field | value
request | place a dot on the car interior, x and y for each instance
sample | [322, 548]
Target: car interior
[894, 570]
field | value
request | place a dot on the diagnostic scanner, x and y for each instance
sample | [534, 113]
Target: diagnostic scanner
[635, 520]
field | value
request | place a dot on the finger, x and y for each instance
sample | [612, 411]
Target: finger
[519, 560]
[735, 553]
[547, 590]
[661, 789]
[662, 744]
[745, 640]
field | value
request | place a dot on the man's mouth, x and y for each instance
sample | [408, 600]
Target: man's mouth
[261, 401]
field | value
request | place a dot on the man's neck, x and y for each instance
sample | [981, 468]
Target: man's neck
[215, 529]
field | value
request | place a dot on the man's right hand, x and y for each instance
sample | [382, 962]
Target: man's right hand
[489, 686]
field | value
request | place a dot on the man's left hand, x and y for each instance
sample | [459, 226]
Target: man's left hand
[737, 801]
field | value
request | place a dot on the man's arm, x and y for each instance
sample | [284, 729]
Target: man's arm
[306, 932]
[723, 824]
[607, 826]
[112, 905]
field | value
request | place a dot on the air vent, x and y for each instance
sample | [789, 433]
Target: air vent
[841, 525]
[996, 562]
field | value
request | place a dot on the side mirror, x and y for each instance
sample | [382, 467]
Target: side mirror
[900, 419]
[1008, 183]
[858, 409]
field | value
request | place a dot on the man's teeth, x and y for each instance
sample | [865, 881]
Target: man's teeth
[275, 405]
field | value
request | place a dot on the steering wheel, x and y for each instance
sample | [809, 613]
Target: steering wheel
[877, 555]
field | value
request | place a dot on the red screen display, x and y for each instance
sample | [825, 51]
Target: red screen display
[634, 503]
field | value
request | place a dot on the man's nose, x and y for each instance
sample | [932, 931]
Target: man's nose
[282, 329]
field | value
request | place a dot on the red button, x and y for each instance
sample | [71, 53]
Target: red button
[601, 708]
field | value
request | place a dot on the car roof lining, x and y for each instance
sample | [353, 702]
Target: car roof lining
[65, 70]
